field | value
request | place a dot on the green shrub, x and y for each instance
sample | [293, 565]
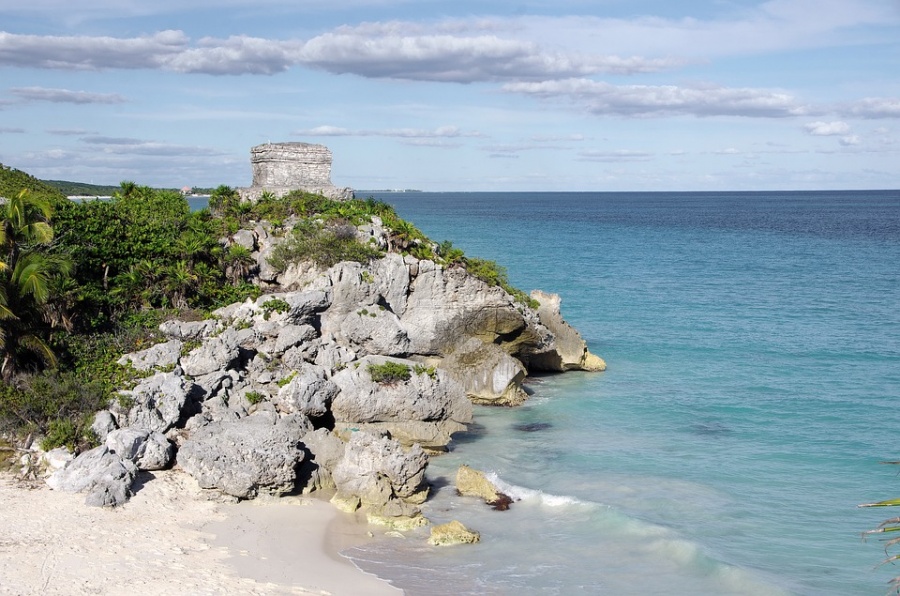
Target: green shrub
[254, 397]
[389, 372]
[274, 305]
[323, 244]
[421, 369]
[287, 379]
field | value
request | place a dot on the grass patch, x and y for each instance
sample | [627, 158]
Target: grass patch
[389, 372]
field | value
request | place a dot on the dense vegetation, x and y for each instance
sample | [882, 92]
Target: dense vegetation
[83, 282]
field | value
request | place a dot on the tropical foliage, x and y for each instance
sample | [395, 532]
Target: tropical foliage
[29, 270]
[888, 527]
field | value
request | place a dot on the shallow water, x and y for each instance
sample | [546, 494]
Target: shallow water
[753, 344]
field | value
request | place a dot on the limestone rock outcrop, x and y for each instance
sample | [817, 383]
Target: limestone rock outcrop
[282, 393]
[413, 410]
[279, 168]
[571, 352]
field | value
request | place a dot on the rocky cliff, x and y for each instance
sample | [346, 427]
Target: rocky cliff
[343, 380]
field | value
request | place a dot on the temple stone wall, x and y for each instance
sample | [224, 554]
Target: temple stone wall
[279, 168]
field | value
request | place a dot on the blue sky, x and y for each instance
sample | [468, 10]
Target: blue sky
[435, 95]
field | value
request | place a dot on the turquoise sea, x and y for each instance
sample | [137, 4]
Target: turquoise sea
[753, 345]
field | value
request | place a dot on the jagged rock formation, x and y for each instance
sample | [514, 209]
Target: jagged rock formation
[279, 168]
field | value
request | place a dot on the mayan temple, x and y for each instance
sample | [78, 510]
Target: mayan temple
[279, 168]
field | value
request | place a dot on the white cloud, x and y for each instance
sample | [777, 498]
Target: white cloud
[393, 53]
[874, 107]
[664, 100]
[850, 140]
[824, 129]
[90, 53]
[620, 155]
[405, 133]
[65, 96]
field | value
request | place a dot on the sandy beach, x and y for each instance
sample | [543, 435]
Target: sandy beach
[169, 539]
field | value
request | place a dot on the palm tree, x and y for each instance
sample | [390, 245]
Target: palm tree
[27, 273]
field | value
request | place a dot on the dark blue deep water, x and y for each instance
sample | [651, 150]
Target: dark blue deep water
[753, 345]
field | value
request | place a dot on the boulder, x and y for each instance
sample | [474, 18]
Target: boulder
[104, 423]
[308, 392]
[473, 483]
[245, 457]
[156, 402]
[148, 450]
[386, 478]
[244, 238]
[161, 355]
[105, 476]
[452, 533]
[487, 373]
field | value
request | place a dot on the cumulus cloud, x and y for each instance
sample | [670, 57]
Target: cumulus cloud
[394, 52]
[824, 129]
[90, 53]
[603, 98]
[390, 50]
[850, 140]
[65, 96]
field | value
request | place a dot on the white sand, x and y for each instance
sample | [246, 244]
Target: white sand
[169, 540]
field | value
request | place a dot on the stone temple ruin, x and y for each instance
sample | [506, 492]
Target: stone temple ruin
[279, 168]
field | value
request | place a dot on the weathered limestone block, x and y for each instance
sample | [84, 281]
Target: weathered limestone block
[148, 450]
[156, 402]
[569, 348]
[451, 533]
[214, 354]
[188, 330]
[383, 475]
[105, 476]
[161, 355]
[325, 451]
[429, 396]
[446, 305]
[487, 373]
[376, 331]
[309, 391]
[242, 458]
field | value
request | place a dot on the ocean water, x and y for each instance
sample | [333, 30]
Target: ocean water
[753, 345]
